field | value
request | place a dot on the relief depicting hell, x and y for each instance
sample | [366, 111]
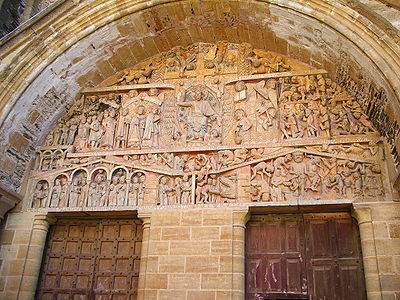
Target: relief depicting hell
[210, 124]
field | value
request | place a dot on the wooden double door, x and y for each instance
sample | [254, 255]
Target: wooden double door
[310, 256]
[91, 259]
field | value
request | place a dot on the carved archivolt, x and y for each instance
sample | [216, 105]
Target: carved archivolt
[206, 124]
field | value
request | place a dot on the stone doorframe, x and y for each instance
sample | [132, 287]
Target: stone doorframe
[42, 221]
[362, 213]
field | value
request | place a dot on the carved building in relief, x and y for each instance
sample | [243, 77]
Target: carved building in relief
[204, 124]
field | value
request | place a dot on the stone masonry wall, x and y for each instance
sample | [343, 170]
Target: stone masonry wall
[193, 254]
[15, 240]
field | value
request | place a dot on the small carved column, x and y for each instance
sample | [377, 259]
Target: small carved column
[240, 218]
[34, 256]
[146, 218]
[371, 271]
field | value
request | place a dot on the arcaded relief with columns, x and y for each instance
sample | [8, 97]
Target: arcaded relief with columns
[210, 124]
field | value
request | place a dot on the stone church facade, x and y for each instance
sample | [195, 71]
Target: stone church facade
[201, 150]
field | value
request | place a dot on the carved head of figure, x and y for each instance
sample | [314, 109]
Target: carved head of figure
[288, 157]
[141, 110]
[163, 180]
[125, 111]
[135, 179]
[357, 114]
[178, 181]
[142, 178]
[185, 177]
[240, 114]
[240, 86]
[77, 180]
[298, 157]
[153, 92]
[122, 178]
[57, 182]
[278, 172]
[270, 84]
[112, 113]
[133, 93]
[197, 94]
[99, 178]
[83, 119]
[115, 179]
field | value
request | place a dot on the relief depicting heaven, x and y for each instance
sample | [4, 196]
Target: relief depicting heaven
[210, 124]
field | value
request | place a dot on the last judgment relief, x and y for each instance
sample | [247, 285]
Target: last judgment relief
[210, 124]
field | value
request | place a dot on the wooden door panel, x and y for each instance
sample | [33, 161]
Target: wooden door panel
[322, 276]
[349, 283]
[254, 275]
[91, 259]
[275, 265]
[336, 271]
[313, 256]
[295, 275]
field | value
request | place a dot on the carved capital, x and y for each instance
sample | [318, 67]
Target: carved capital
[145, 217]
[42, 222]
[361, 214]
[240, 217]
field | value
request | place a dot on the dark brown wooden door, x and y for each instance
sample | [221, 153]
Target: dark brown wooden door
[334, 260]
[91, 259]
[314, 256]
[275, 264]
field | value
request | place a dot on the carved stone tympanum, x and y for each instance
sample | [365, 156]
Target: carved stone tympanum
[210, 124]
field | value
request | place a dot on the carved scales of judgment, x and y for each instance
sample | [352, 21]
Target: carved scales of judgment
[208, 124]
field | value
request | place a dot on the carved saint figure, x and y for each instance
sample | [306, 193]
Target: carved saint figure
[76, 190]
[83, 194]
[73, 127]
[134, 131]
[82, 137]
[241, 91]
[96, 132]
[109, 129]
[63, 193]
[114, 186]
[98, 190]
[163, 189]
[122, 129]
[186, 190]
[243, 125]
[40, 194]
[56, 193]
[136, 190]
[201, 113]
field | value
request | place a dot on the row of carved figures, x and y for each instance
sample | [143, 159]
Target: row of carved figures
[100, 191]
[108, 130]
[209, 188]
[296, 176]
[300, 108]
[220, 58]
[190, 162]
[117, 191]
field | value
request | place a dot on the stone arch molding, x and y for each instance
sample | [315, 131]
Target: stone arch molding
[210, 124]
[32, 79]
